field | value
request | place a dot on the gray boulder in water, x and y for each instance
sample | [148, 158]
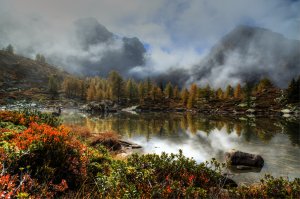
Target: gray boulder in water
[237, 158]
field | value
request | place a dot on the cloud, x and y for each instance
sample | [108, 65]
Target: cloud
[178, 32]
[249, 54]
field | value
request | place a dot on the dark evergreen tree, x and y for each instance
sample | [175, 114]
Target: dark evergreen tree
[293, 91]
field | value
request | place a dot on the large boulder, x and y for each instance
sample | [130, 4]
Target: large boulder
[236, 158]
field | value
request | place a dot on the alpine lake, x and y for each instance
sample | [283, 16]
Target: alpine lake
[203, 137]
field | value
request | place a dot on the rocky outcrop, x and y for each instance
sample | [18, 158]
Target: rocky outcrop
[114, 144]
[238, 158]
[100, 107]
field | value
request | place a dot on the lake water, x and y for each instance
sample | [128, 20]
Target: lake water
[204, 137]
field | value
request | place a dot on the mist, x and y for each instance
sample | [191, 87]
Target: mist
[168, 41]
[249, 54]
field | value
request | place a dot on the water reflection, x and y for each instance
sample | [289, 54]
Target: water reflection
[204, 137]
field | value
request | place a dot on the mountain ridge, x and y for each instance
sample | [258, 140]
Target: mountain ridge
[249, 54]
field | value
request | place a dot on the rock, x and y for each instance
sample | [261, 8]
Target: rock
[237, 158]
[100, 107]
[243, 105]
[130, 144]
[244, 169]
[111, 144]
[250, 111]
[286, 111]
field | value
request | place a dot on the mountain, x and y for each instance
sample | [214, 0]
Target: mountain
[90, 32]
[21, 76]
[248, 54]
[102, 51]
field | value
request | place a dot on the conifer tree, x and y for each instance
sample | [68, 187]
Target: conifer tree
[141, 91]
[237, 91]
[116, 84]
[293, 91]
[10, 49]
[53, 85]
[184, 96]
[220, 94]
[169, 90]
[131, 90]
[91, 92]
[207, 92]
[176, 93]
[192, 96]
[263, 84]
[228, 92]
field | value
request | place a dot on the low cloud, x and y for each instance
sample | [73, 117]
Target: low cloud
[177, 34]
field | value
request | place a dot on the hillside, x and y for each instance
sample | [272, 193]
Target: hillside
[248, 54]
[22, 77]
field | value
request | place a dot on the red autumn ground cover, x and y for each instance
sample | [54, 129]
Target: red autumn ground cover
[41, 161]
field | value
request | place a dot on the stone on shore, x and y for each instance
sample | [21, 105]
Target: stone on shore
[237, 158]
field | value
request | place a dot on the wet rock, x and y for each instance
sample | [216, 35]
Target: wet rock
[250, 111]
[102, 106]
[286, 111]
[237, 158]
[245, 169]
[129, 144]
[110, 143]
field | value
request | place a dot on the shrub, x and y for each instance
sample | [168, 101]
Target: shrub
[155, 176]
[27, 116]
[49, 155]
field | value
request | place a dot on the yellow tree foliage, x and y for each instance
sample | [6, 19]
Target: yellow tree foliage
[238, 91]
[220, 94]
[176, 93]
[184, 96]
[169, 90]
[192, 96]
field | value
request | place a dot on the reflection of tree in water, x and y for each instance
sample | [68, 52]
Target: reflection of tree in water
[292, 129]
[248, 131]
[191, 123]
[184, 123]
[229, 127]
[238, 129]
[267, 128]
[220, 125]
[169, 124]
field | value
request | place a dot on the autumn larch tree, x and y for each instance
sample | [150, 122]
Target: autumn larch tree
[220, 94]
[169, 90]
[192, 96]
[131, 89]
[184, 96]
[117, 85]
[176, 93]
[238, 91]
[263, 84]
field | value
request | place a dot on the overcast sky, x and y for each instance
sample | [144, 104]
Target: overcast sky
[175, 32]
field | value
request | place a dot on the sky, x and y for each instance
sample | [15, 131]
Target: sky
[175, 33]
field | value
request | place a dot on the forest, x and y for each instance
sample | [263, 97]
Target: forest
[129, 91]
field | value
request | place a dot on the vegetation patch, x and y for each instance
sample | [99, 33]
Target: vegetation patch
[41, 159]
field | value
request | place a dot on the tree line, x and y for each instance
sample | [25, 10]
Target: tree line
[121, 90]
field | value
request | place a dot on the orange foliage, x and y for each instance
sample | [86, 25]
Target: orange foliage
[17, 118]
[40, 133]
